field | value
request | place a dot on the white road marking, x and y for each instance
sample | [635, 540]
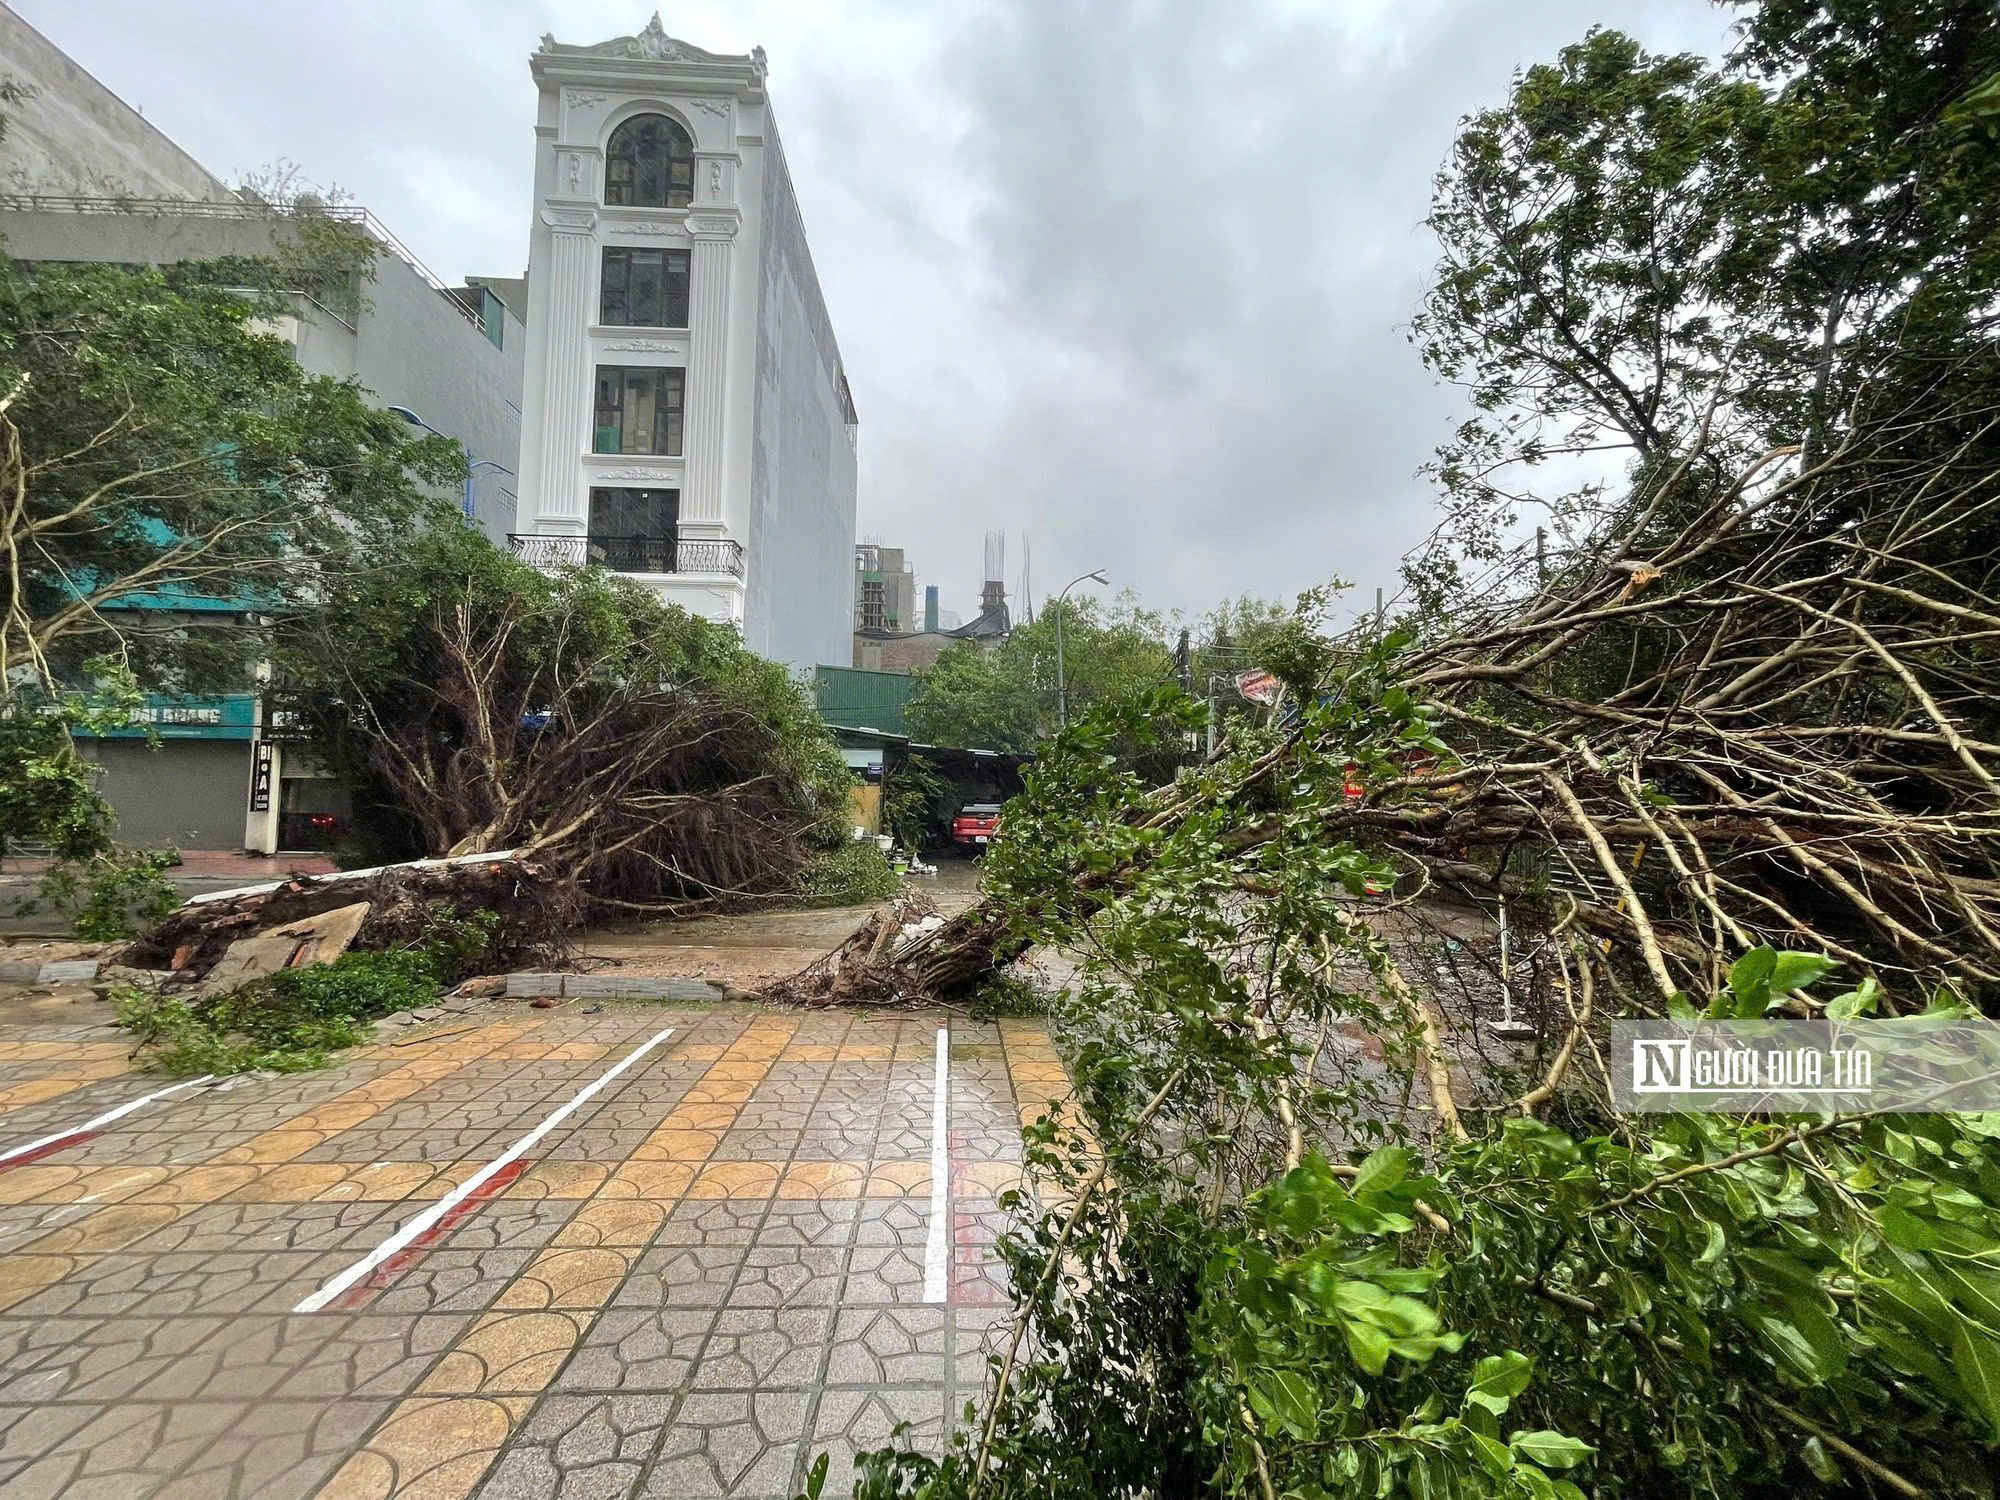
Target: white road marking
[938, 1245]
[104, 1119]
[410, 1232]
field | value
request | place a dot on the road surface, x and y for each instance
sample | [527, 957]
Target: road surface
[575, 1252]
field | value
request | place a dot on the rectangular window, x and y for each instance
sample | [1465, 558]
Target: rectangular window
[635, 531]
[639, 409]
[644, 288]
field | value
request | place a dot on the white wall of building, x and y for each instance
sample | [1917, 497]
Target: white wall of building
[767, 460]
[803, 470]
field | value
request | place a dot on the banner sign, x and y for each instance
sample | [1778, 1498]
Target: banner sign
[1257, 685]
[260, 776]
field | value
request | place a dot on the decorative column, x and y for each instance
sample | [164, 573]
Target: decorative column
[708, 347]
[568, 389]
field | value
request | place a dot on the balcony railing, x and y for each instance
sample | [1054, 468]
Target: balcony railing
[630, 554]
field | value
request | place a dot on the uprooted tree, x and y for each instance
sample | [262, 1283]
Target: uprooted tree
[478, 704]
[1727, 748]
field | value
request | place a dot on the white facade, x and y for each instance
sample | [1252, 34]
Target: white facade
[752, 519]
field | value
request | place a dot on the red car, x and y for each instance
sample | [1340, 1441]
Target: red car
[977, 824]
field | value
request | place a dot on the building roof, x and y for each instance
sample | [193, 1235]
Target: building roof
[650, 45]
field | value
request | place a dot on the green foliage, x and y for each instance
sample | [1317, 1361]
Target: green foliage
[916, 799]
[455, 942]
[1642, 1306]
[176, 468]
[49, 801]
[1008, 994]
[1004, 698]
[1641, 253]
[113, 894]
[182, 460]
[296, 1019]
[851, 874]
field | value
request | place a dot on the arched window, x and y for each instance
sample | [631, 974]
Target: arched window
[649, 164]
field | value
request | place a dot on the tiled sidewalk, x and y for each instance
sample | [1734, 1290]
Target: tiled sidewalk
[712, 1269]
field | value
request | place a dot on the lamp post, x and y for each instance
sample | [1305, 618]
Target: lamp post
[471, 511]
[1062, 687]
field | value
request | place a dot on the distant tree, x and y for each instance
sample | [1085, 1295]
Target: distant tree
[1005, 698]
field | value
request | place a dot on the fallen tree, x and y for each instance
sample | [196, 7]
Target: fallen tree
[477, 704]
[533, 912]
[1728, 748]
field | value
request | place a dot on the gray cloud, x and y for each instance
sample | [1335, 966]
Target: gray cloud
[1127, 275]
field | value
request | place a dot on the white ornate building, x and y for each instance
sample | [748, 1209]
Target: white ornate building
[686, 418]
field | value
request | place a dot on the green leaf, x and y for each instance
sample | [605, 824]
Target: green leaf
[1369, 1345]
[1382, 1170]
[1288, 1399]
[1820, 1461]
[1493, 1457]
[1806, 1342]
[1498, 1378]
[1795, 971]
[1552, 1450]
[1976, 1358]
[1905, 1230]
[1750, 981]
[1859, 1001]
[1717, 1242]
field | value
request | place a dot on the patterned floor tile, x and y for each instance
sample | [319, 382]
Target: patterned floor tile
[640, 1348]
[580, 1448]
[743, 1445]
[710, 1272]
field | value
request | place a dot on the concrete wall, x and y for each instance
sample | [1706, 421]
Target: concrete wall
[916, 652]
[410, 347]
[799, 600]
[74, 136]
[413, 349]
[188, 793]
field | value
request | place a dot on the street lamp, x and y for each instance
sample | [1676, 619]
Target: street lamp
[471, 511]
[1062, 687]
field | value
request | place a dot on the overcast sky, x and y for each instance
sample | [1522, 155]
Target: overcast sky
[1130, 276]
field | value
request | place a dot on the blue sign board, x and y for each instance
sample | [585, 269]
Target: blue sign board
[232, 716]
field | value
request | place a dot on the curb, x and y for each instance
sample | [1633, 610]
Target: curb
[600, 987]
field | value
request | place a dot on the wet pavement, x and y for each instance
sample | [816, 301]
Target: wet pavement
[647, 1251]
[751, 949]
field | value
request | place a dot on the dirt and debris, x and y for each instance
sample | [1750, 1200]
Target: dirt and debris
[316, 940]
[863, 969]
[398, 905]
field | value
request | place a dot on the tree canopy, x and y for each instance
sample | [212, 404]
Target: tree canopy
[162, 454]
[169, 475]
[1005, 697]
[1641, 254]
